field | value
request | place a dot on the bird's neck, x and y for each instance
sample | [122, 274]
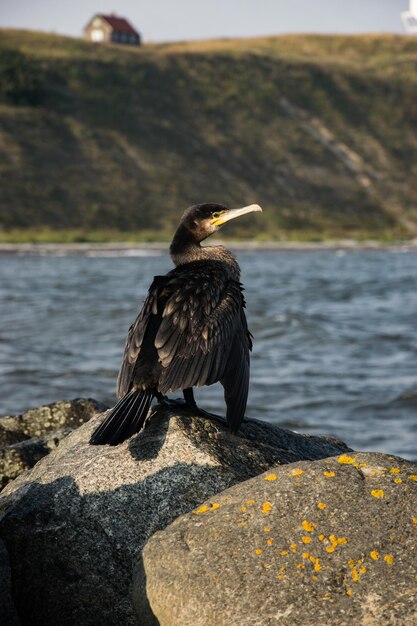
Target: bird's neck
[184, 249]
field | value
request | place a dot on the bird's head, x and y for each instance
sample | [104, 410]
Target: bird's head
[202, 220]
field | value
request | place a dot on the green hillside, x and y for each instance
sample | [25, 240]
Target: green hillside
[99, 141]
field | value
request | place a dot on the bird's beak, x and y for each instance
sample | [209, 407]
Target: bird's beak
[231, 214]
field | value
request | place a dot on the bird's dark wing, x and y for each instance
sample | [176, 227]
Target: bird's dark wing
[136, 334]
[235, 379]
[201, 321]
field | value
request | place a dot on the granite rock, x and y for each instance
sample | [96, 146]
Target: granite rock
[8, 614]
[76, 523]
[26, 438]
[313, 543]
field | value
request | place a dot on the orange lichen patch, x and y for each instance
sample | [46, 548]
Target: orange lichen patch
[317, 567]
[351, 563]
[362, 464]
[335, 541]
[258, 551]
[205, 508]
[322, 537]
[398, 480]
[305, 555]
[388, 558]
[348, 592]
[314, 578]
[362, 569]
[202, 509]
[329, 474]
[293, 547]
[395, 470]
[302, 566]
[243, 509]
[281, 576]
[271, 477]
[377, 493]
[249, 502]
[321, 505]
[414, 520]
[413, 477]
[269, 542]
[266, 507]
[296, 472]
[308, 526]
[355, 575]
[306, 539]
[242, 523]
[284, 552]
[374, 555]
[282, 568]
[345, 459]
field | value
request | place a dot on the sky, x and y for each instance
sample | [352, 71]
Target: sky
[173, 20]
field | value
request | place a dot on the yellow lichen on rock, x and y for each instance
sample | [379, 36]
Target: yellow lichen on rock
[321, 506]
[388, 558]
[202, 509]
[271, 477]
[205, 507]
[345, 459]
[296, 472]
[329, 474]
[377, 493]
[308, 526]
[266, 507]
[374, 555]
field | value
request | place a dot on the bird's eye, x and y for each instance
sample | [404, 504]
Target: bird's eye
[216, 215]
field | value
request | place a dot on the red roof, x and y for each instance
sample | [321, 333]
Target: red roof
[119, 24]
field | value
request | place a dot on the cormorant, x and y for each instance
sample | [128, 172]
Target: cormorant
[191, 331]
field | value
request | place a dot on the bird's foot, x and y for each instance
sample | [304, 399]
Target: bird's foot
[172, 404]
[191, 407]
[211, 416]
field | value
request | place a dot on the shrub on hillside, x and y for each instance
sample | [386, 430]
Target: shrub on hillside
[19, 78]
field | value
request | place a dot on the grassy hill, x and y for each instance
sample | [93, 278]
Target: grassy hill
[108, 142]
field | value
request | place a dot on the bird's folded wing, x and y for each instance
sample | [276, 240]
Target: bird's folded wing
[202, 314]
[136, 334]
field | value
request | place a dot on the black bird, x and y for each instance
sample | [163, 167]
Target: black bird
[191, 331]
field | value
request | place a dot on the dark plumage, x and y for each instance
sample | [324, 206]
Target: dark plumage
[191, 331]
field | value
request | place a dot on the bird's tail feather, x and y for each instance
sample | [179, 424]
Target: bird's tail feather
[125, 419]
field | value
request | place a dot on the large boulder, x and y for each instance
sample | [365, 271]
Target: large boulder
[75, 524]
[318, 543]
[26, 438]
[8, 614]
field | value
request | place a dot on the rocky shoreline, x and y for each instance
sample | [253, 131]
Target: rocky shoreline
[188, 524]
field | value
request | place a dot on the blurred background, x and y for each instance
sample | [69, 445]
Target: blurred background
[113, 119]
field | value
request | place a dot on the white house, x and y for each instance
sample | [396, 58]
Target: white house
[409, 18]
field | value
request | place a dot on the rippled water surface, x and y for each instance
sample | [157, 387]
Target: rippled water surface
[335, 337]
